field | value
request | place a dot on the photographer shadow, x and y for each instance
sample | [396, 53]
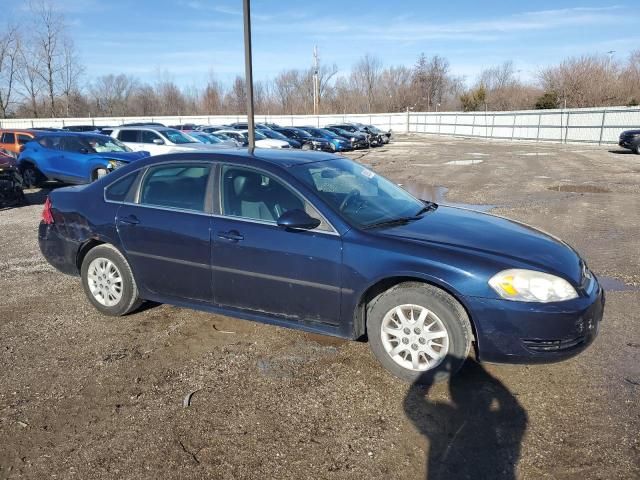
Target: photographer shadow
[477, 434]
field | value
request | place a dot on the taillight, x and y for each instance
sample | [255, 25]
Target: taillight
[47, 214]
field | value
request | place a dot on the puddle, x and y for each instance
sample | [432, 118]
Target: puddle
[464, 162]
[437, 193]
[610, 284]
[579, 189]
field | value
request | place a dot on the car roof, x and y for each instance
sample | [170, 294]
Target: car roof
[155, 128]
[283, 158]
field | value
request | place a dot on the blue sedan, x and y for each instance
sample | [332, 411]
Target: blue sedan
[315, 241]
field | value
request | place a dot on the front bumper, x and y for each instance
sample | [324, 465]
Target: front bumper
[521, 332]
[628, 142]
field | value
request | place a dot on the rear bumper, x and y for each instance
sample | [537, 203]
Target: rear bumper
[520, 332]
[60, 252]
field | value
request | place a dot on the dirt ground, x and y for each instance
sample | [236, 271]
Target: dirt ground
[84, 396]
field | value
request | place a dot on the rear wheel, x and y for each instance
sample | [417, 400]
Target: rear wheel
[108, 281]
[31, 176]
[637, 149]
[419, 332]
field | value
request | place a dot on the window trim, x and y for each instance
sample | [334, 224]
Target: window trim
[215, 178]
[286, 184]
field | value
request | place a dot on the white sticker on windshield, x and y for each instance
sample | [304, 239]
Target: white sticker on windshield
[367, 173]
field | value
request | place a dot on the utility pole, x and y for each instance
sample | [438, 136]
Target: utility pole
[248, 75]
[316, 82]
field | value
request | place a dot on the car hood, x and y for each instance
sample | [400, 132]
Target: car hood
[123, 156]
[490, 235]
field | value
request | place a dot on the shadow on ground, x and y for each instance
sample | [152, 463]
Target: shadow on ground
[477, 434]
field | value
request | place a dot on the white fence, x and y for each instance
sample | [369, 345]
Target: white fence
[594, 125]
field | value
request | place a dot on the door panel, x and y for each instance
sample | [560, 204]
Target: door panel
[169, 251]
[268, 269]
[262, 267]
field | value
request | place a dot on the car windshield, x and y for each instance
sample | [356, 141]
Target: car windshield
[205, 138]
[316, 132]
[102, 144]
[328, 133]
[362, 197]
[259, 136]
[177, 137]
[272, 134]
[221, 136]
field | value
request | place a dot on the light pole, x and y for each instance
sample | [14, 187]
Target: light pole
[248, 74]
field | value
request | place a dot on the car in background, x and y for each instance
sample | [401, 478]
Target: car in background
[630, 139]
[337, 143]
[211, 139]
[308, 141]
[144, 124]
[75, 158]
[157, 140]
[373, 140]
[385, 137]
[226, 138]
[358, 140]
[12, 139]
[261, 140]
[317, 242]
[185, 126]
[211, 128]
[81, 128]
[267, 132]
[11, 192]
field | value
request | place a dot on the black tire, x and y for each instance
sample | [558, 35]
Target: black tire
[129, 300]
[637, 149]
[452, 315]
[31, 176]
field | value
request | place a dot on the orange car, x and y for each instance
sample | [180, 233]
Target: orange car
[13, 138]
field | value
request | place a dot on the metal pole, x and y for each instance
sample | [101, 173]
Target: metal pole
[248, 73]
[604, 118]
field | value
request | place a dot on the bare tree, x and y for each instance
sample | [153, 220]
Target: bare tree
[111, 94]
[365, 76]
[70, 72]
[9, 53]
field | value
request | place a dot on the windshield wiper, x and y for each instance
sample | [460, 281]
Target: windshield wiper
[393, 221]
[428, 206]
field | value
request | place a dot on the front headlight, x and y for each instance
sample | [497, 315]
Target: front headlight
[113, 164]
[531, 286]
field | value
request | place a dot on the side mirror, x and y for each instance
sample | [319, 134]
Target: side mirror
[297, 219]
[158, 141]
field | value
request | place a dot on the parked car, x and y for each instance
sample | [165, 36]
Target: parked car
[336, 142]
[81, 128]
[11, 192]
[261, 140]
[75, 158]
[358, 140]
[385, 137]
[210, 139]
[373, 140]
[267, 132]
[226, 138]
[630, 139]
[317, 242]
[308, 141]
[157, 140]
[13, 139]
[144, 124]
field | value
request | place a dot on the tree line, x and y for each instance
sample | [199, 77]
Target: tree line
[42, 75]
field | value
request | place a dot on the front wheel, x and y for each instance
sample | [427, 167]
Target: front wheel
[637, 149]
[31, 176]
[419, 332]
[108, 281]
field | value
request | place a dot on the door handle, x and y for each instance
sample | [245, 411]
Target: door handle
[232, 235]
[129, 220]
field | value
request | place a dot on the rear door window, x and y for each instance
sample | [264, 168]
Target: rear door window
[118, 191]
[181, 186]
[128, 136]
[8, 138]
[22, 139]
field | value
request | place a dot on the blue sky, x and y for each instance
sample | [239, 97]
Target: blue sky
[191, 38]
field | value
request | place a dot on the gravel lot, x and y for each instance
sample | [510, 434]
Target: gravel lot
[84, 396]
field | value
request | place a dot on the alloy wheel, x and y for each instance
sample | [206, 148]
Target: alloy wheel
[105, 282]
[414, 337]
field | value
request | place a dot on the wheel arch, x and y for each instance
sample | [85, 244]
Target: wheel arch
[382, 285]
